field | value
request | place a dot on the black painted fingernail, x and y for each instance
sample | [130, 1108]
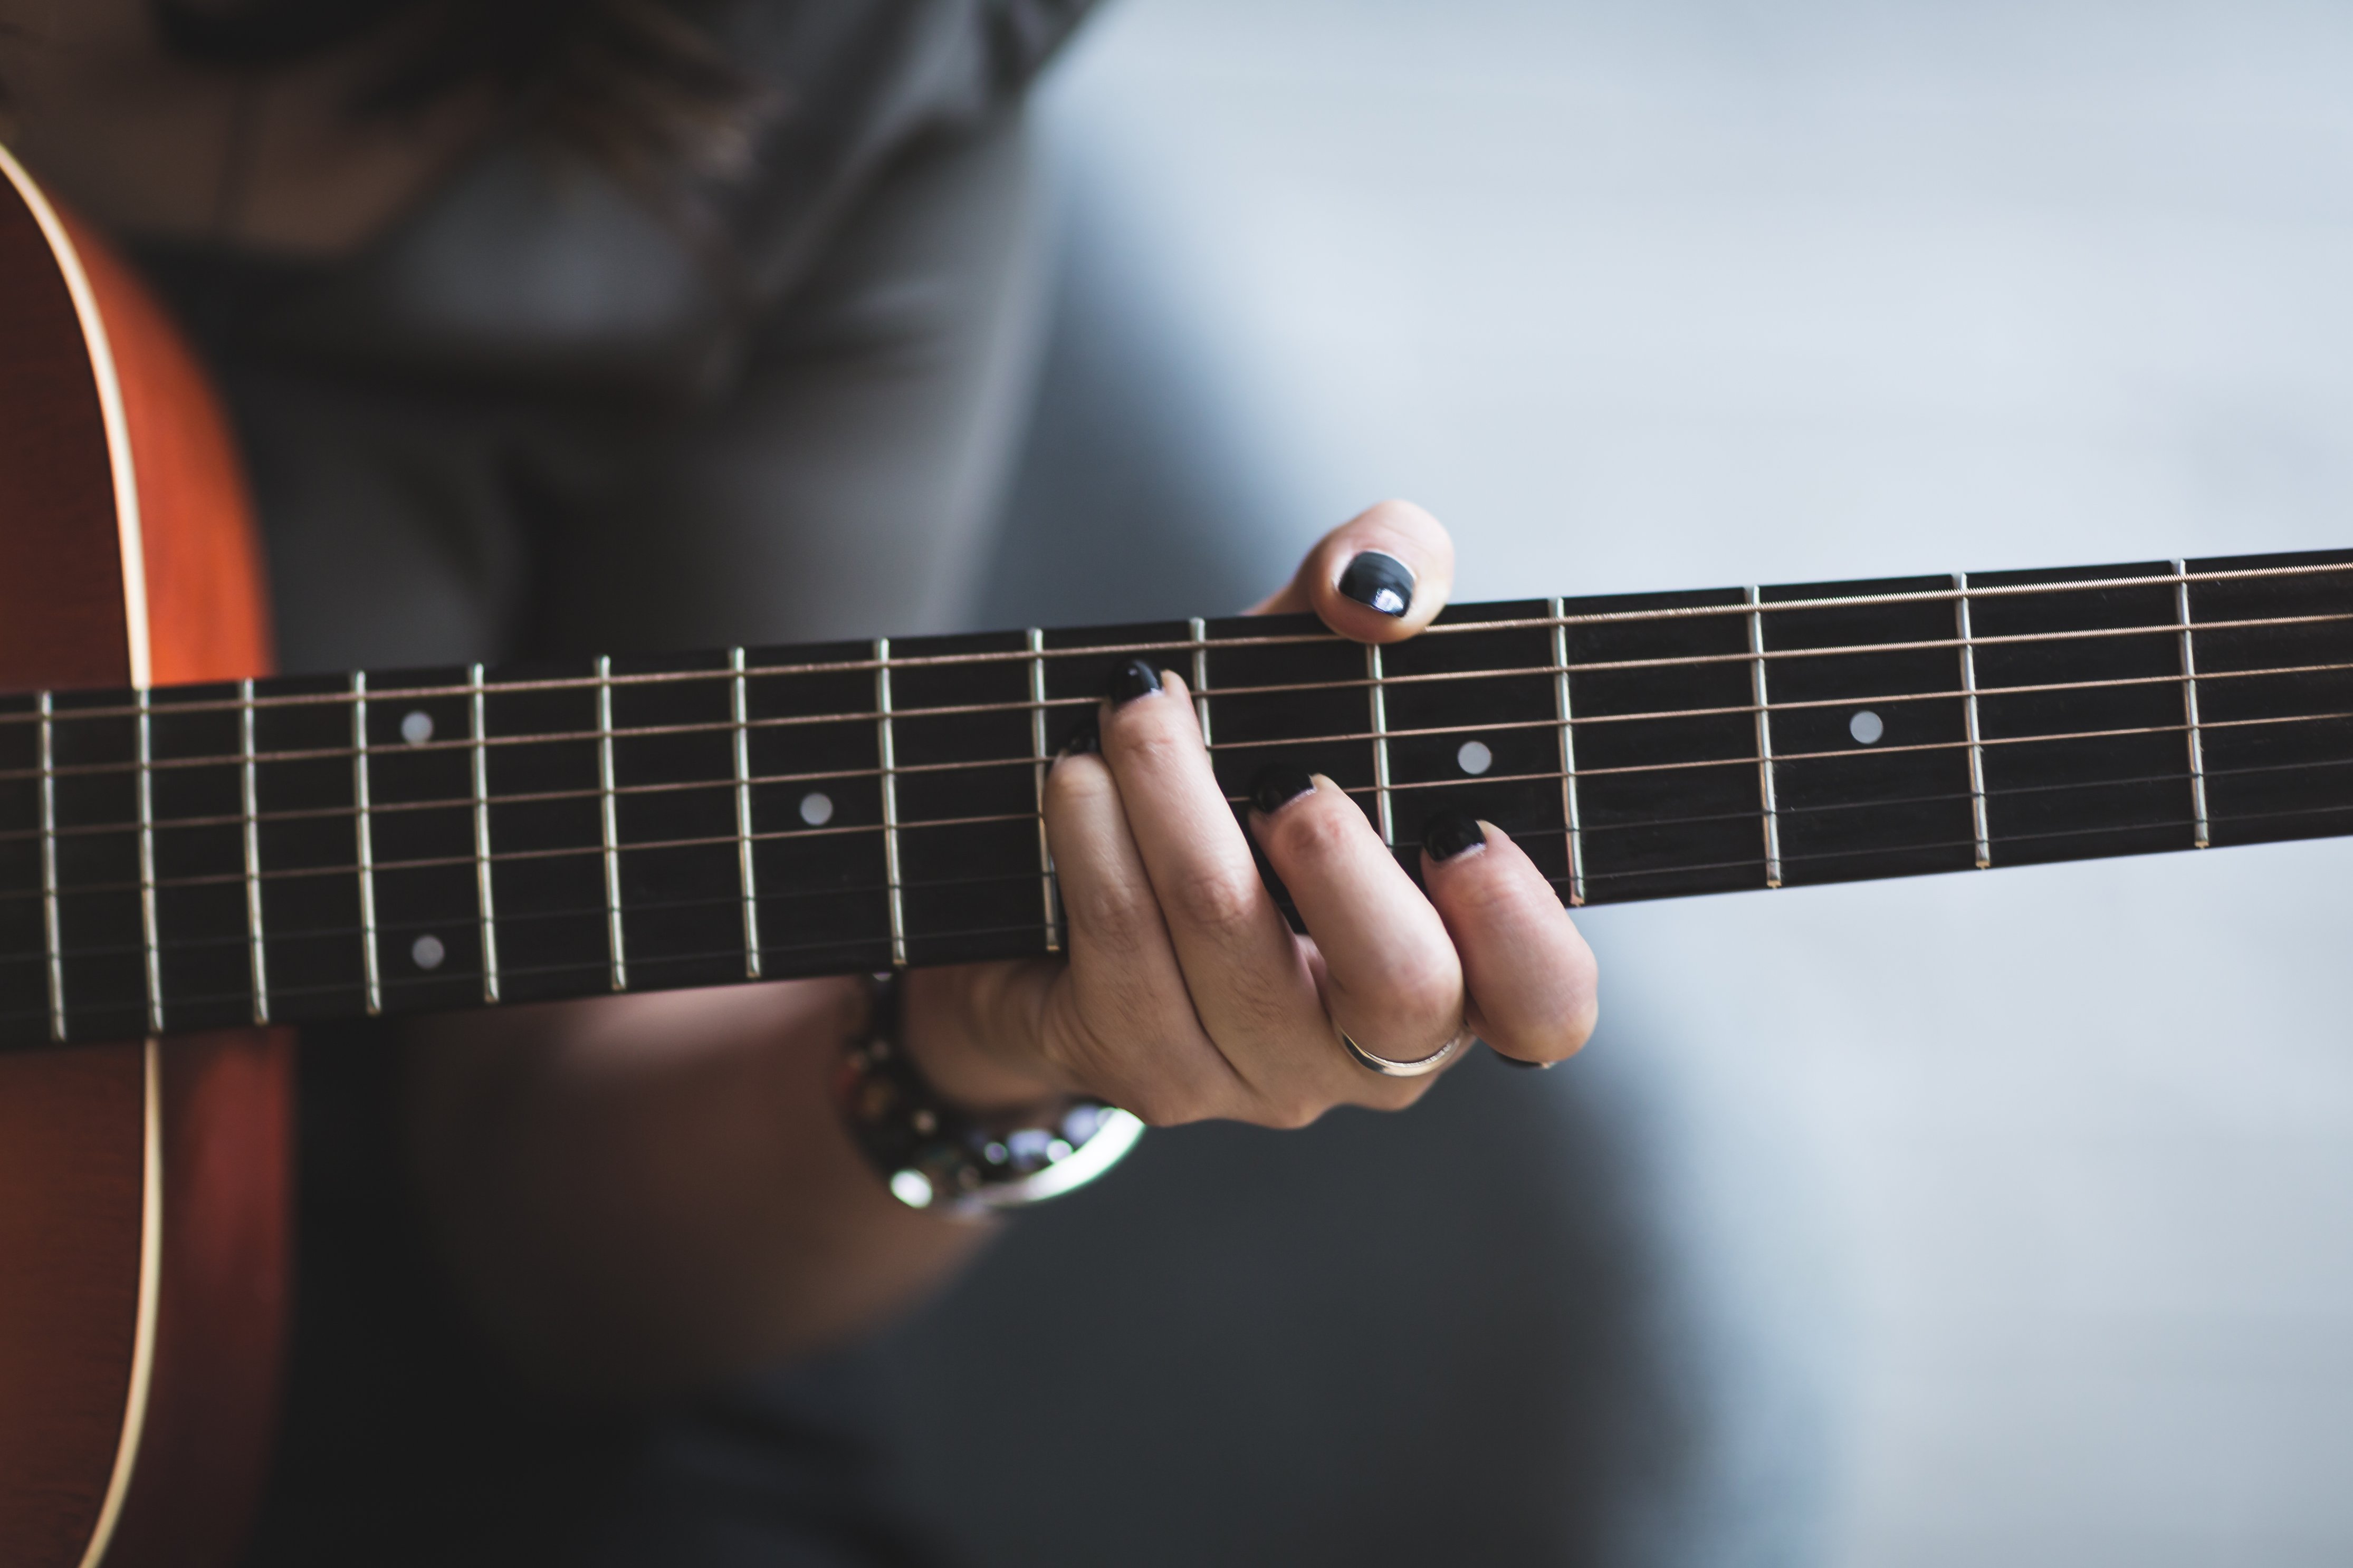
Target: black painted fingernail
[1130, 680]
[1449, 832]
[1277, 785]
[1381, 580]
[1086, 737]
[1516, 1062]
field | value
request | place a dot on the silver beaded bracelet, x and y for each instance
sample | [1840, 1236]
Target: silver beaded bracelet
[936, 1156]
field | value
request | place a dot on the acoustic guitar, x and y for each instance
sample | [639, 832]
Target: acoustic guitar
[194, 855]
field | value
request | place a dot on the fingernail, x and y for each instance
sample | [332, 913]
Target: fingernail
[1380, 581]
[1516, 1062]
[1087, 737]
[1277, 785]
[1130, 680]
[1449, 832]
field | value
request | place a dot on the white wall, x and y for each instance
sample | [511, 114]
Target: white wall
[2036, 1188]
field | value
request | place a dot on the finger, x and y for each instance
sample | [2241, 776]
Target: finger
[1380, 577]
[1120, 1022]
[1532, 978]
[1248, 980]
[1392, 980]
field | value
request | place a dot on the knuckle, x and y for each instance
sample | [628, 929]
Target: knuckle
[1314, 832]
[1116, 920]
[1215, 898]
[1077, 781]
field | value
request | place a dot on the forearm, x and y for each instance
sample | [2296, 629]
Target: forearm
[640, 1192]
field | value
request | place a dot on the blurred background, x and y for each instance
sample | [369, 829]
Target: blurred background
[1958, 1220]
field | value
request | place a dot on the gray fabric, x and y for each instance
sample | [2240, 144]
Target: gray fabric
[841, 484]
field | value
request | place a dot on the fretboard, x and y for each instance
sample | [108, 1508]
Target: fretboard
[311, 848]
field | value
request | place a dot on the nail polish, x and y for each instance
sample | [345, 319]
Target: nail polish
[1448, 833]
[1380, 581]
[1516, 1062]
[1130, 680]
[1086, 736]
[1277, 785]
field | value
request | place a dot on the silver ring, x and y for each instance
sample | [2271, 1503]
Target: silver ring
[1388, 1068]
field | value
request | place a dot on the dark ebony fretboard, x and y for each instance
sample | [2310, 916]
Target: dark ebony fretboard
[319, 847]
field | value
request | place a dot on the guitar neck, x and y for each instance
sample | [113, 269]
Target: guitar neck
[310, 848]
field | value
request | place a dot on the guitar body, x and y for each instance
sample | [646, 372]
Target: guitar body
[144, 1187]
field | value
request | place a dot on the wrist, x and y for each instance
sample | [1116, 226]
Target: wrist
[939, 1010]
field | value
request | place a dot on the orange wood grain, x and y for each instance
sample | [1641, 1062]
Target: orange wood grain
[73, 1120]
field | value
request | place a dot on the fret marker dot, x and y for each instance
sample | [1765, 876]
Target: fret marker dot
[1474, 757]
[1865, 727]
[816, 808]
[427, 951]
[416, 726]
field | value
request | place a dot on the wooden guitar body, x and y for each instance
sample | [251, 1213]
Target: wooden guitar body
[144, 1196]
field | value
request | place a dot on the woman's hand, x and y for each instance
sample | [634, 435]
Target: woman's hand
[1185, 995]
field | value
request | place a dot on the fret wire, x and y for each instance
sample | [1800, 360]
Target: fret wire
[1969, 717]
[147, 926]
[363, 845]
[2190, 711]
[1570, 823]
[1764, 741]
[1377, 708]
[2167, 629]
[250, 789]
[478, 712]
[1439, 629]
[608, 818]
[1037, 750]
[744, 870]
[886, 753]
[1201, 631]
[52, 933]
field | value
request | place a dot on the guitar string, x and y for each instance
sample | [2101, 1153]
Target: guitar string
[1023, 654]
[599, 967]
[1023, 878]
[1734, 759]
[465, 745]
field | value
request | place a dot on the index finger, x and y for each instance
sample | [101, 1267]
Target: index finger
[1380, 577]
